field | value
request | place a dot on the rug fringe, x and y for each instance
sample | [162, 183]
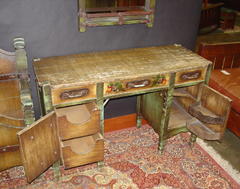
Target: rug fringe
[222, 162]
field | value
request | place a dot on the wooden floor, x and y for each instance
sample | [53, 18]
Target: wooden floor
[121, 122]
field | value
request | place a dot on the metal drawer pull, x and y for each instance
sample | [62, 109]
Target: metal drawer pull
[191, 75]
[74, 94]
[138, 84]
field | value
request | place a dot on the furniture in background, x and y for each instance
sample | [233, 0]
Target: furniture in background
[94, 13]
[16, 109]
[74, 90]
[228, 18]
[225, 77]
[210, 17]
[230, 4]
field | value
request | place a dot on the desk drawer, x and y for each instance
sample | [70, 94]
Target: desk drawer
[190, 76]
[73, 94]
[77, 121]
[137, 84]
[81, 151]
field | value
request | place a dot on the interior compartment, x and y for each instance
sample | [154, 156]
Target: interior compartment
[77, 121]
[83, 150]
[202, 110]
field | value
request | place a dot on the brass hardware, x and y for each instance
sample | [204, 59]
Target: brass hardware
[191, 75]
[138, 84]
[74, 93]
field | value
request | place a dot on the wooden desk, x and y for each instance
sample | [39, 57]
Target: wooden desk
[68, 83]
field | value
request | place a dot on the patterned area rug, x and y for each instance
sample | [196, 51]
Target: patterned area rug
[132, 161]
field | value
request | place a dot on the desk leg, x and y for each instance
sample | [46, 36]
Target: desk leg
[168, 99]
[139, 114]
[100, 104]
[48, 107]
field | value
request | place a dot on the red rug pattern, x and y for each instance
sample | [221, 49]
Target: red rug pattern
[133, 161]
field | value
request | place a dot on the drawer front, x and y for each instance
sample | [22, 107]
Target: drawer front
[73, 94]
[92, 150]
[137, 84]
[77, 121]
[190, 76]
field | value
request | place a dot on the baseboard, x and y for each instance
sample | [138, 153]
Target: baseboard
[120, 122]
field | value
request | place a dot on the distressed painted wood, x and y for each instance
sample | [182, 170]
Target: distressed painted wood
[106, 13]
[116, 66]
[125, 73]
[100, 101]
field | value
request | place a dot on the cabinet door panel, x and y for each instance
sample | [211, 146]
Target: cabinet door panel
[213, 111]
[39, 146]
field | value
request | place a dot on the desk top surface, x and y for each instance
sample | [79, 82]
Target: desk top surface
[108, 66]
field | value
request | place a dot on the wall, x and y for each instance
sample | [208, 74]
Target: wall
[50, 29]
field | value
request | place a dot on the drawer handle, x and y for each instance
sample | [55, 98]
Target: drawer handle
[74, 94]
[138, 84]
[190, 75]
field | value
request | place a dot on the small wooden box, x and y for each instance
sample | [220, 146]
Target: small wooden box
[77, 121]
[82, 150]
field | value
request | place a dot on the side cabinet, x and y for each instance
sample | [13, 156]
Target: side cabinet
[70, 134]
[198, 109]
[16, 109]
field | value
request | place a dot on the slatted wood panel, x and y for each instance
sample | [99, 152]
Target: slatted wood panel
[223, 55]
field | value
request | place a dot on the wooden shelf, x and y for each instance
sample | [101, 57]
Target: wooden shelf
[178, 116]
[202, 131]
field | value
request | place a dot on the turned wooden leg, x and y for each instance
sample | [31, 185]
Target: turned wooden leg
[193, 139]
[56, 170]
[100, 164]
[139, 115]
[161, 146]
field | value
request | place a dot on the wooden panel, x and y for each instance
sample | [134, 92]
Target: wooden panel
[190, 76]
[218, 104]
[73, 94]
[137, 84]
[11, 107]
[10, 159]
[152, 109]
[7, 62]
[226, 54]
[77, 121]
[92, 150]
[186, 96]
[39, 146]
[8, 129]
[178, 116]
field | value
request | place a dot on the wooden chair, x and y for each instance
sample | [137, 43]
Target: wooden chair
[16, 109]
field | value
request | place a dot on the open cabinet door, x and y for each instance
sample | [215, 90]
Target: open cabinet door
[211, 114]
[39, 146]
